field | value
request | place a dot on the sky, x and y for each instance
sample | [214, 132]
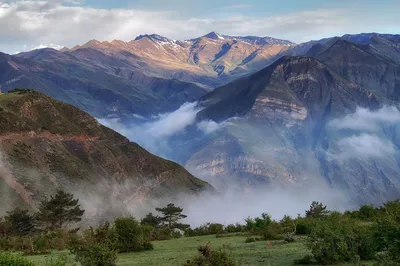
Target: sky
[31, 24]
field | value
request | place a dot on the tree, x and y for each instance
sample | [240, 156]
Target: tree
[19, 222]
[130, 235]
[152, 220]
[59, 211]
[171, 215]
[317, 210]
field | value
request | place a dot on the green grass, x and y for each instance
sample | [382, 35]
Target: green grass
[177, 251]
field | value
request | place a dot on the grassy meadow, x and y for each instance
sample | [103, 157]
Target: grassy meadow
[177, 251]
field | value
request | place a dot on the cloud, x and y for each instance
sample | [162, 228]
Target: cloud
[154, 135]
[365, 135]
[366, 120]
[169, 124]
[209, 126]
[33, 23]
[365, 146]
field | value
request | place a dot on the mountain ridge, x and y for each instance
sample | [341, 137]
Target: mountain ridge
[46, 144]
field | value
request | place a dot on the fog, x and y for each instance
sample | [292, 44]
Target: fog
[106, 199]
[368, 134]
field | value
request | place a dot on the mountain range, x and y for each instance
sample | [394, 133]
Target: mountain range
[148, 75]
[268, 112]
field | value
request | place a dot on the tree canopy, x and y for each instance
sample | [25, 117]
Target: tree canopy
[59, 211]
[171, 215]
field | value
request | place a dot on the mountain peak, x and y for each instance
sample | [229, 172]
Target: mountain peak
[153, 37]
[214, 36]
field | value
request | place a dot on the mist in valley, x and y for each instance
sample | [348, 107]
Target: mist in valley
[362, 135]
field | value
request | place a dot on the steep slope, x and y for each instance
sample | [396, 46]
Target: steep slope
[94, 82]
[386, 45]
[46, 144]
[274, 128]
[373, 66]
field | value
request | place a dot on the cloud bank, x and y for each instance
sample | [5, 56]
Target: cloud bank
[154, 135]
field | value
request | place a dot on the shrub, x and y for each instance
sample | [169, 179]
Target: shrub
[290, 237]
[209, 257]
[337, 240]
[250, 240]
[10, 259]
[95, 255]
[164, 233]
[215, 228]
[304, 226]
[130, 235]
[176, 234]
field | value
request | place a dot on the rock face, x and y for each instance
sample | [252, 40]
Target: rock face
[46, 144]
[276, 128]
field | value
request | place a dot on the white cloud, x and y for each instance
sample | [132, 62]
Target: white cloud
[367, 137]
[366, 120]
[365, 146]
[210, 126]
[154, 135]
[41, 22]
[169, 124]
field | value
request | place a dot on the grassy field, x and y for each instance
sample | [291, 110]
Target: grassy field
[177, 251]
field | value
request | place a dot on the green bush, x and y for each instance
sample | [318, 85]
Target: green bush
[250, 240]
[163, 233]
[130, 235]
[95, 255]
[215, 228]
[10, 259]
[339, 239]
[304, 226]
[209, 257]
[290, 237]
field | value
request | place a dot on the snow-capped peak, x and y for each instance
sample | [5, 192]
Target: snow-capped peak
[214, 36]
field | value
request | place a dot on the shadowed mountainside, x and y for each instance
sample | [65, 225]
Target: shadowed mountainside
[46, 144]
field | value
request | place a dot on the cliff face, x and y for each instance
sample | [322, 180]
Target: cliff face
[46, 144]
[282, 133]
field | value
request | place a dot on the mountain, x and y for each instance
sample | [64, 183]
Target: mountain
[146, 76]
[209, 60]
[46, 144]
[275, 127]
[375, 66]
[94, 82]
[379, 42]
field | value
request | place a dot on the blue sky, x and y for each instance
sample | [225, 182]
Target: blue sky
[27, 24]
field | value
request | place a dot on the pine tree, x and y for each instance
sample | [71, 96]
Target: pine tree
[317, 210]
[150, 219]
[59, 211]
[19, 222]
[171, 215]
